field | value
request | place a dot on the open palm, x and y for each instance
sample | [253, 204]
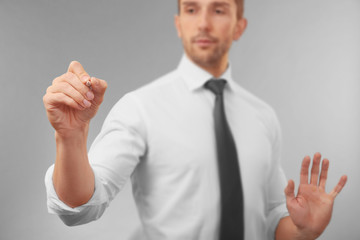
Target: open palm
[311, 209]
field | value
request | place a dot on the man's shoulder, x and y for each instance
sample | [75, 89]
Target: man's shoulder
[148, 96]
[260, 108]
[252, 100]
[164, 83]
[153, 94]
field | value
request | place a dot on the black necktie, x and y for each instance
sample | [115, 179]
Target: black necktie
[232, 207]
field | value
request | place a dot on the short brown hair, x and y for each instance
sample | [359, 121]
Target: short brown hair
[239, 4]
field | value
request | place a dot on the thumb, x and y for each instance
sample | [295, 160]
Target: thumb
[289, 190]
[98, 87]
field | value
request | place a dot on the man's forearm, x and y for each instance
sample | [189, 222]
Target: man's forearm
[73, 177]
[287, 230]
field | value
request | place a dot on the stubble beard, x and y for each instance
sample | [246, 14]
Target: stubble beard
[207, 58]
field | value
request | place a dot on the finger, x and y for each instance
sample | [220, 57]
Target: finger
[304, 173]
[337, 189]
[70, 91]
[76, 83]
[289, 190]
[99, 87]
[315, 169]
[76, 68]
[56, 99]
[323, 175]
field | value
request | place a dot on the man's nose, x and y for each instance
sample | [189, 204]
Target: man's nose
[204, 21]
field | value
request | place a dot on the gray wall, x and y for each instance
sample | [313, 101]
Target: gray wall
[302, 57]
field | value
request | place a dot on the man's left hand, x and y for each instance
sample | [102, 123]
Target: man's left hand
[311, 209]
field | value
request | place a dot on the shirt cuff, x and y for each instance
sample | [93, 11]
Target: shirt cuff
[274, 217]
[56, 206]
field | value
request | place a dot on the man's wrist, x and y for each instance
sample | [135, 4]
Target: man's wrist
[303, 234]
[72, 134]
[287, 230]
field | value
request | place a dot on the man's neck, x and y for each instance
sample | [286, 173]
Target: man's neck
[216, 69]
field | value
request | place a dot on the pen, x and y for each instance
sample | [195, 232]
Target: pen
[88, 84]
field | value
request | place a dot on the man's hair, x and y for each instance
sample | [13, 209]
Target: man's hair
[239, 10]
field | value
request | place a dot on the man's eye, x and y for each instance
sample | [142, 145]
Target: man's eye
[219, 11]
[190, 10]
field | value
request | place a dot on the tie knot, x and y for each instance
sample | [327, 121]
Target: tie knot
[216, 86]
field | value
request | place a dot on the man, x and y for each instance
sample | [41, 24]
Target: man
[162, 136]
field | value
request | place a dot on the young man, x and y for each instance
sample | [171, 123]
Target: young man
[162, 136]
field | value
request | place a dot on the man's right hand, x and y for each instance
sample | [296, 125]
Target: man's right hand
[69, 103]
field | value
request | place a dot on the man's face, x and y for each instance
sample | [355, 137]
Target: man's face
[207, 29]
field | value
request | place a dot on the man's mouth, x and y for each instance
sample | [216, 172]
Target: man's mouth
[204, 41]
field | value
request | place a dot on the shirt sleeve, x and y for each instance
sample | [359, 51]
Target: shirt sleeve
[113, 156]
[276, 204]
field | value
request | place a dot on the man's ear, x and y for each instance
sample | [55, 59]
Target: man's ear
[241, 25]
[177, 25]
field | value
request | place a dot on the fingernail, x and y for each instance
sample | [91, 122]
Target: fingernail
[85, 78]
[86, 103]
[90, 95]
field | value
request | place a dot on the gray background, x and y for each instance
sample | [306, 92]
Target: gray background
[302, 57]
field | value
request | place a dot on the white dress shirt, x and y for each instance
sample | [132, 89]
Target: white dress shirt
[162, 137]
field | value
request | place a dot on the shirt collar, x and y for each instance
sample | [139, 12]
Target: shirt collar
[195, 77]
